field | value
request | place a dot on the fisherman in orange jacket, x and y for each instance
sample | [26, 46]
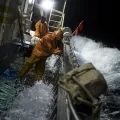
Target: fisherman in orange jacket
[48, 45]
[41, 28]
[56, 26]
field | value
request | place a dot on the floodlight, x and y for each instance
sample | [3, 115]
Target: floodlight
[47, 4]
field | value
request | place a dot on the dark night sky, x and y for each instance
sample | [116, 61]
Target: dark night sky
[100, 19]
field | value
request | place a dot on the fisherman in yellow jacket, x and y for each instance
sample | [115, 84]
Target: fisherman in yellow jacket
[48, 45]
[41, 28]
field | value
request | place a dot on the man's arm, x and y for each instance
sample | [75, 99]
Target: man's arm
[37, 32]
[47, 28]
[59, 49]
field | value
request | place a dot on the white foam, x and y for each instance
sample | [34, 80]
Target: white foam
[32, 103]
[105, 59]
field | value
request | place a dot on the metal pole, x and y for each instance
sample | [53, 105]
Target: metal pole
[63, 15]
[33, 3]
[64, 6]
[26, 6]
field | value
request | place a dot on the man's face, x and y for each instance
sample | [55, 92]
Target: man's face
[43, 20]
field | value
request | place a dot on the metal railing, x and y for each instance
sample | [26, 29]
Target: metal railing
[71, 114]
[53, 114]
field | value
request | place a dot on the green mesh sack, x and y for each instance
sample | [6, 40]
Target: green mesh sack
[85, 83]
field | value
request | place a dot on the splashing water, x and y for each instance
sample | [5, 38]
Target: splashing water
[107, 61]
[7, 86]
[32, 103]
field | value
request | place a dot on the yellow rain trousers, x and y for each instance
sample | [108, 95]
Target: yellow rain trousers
[39, 66]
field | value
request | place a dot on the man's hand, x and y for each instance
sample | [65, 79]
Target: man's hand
[61, 54]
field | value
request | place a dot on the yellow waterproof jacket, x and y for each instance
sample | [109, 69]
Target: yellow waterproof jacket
[47, 46]
[41, 29]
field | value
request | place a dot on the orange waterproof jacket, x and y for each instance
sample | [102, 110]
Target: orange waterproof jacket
[47, 46]
[41, 29]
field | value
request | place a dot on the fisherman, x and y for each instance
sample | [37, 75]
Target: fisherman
[55, 26]
[41, 30]
[45, 47]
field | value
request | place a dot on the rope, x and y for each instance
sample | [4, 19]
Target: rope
[91, 102]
